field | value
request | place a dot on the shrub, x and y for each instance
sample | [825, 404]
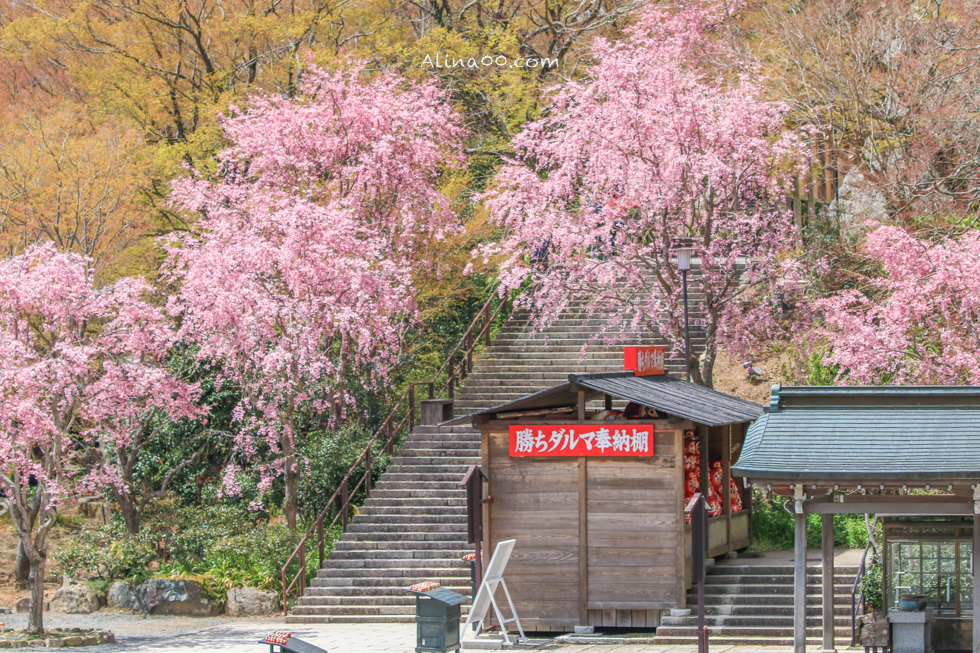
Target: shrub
[773, 526]
[327, 456]
[108, 553]
[872, 584]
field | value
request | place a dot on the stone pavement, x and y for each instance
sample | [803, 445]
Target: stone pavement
[225, 635]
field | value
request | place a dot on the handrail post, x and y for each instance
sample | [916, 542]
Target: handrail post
[367, 473]
[452, 377]
[390, 442]
[469, 351]
[343, 502]
[302, 568]
[486, 324]
[432, 389]
[319, 537]
[411, 406]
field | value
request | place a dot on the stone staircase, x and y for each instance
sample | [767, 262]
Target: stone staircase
[413, 526]
[752, 604]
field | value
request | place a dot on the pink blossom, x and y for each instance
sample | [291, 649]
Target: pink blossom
[667, 139]
[915, 321]
[300, 268]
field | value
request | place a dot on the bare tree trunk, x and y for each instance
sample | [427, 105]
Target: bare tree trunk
[22, 567]
[35, 618]
[129, 511]
[291, 500]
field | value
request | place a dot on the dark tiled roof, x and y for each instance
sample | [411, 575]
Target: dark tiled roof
[664, 393]
[872, 434]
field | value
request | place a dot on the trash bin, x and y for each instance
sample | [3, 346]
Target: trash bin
[437, 616]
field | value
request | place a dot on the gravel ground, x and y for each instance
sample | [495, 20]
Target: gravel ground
[137, 632]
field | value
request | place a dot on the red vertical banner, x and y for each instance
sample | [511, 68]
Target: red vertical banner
[581, 439]
[644, 361]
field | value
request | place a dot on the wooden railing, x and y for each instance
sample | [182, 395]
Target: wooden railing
[341, 498]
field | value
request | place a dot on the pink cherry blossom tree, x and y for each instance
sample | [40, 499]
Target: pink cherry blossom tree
[916, 321]
[301, 266]
[64, 348]
[667, 140]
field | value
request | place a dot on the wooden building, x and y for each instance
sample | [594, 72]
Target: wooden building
[908, 454]
[597, 507]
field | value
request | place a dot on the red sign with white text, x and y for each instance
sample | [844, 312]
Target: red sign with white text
[581, 440]
[644, 361]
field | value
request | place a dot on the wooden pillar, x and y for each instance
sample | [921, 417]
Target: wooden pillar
[726, 484]
[703, 447]
[581, 405]
[799, 576]
[976, 565]
[583, 541]
[828, 583]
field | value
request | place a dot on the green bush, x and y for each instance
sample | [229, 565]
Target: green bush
[219, 544]
[773, 527]
[872, 584]
[327, 456]
[107, 553]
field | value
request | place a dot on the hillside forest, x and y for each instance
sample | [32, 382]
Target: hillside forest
[233, 233]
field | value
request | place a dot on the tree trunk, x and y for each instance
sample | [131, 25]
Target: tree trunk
[22, 567]
[130, 514]
[290, 506]
[35, 618]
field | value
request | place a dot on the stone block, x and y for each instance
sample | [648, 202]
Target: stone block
[120, 596]
[250, 602]
[76, 599]
[173, 597]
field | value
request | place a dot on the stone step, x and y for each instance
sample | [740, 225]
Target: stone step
[764, 599]
[400, 555]
[417, 477]
[412, 512]
[448, 448]
[733, 569]
[392, 576]
[434, 462]
[814, 609]
[438, 470]
[719, 579]
[311, 616]
[745, 631]
[346, 564]
[432, 520]
[458, 529]
[756, 621]
[414, 482]
[348, 543]
[459, 500]
[389, 495]
[748, 588]
[726, 641]
[351, 591]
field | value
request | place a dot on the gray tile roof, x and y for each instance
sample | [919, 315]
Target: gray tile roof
[879, 434]
[665, 393]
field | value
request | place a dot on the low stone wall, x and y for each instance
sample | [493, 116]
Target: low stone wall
[15, 638]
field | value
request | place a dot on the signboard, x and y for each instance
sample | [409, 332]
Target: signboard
[581, 440]
[644, 361]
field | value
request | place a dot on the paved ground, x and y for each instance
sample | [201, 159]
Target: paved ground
[226, 635]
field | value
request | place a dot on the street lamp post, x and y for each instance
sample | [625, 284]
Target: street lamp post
[684, 264]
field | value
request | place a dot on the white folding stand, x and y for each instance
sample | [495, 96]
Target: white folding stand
[484, 598]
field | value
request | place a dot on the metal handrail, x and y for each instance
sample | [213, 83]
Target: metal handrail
[389, 428]
[858, 600]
